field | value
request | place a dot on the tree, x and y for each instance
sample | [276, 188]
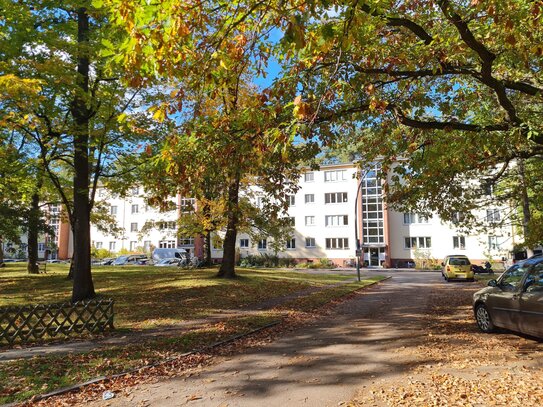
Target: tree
[60, 95]
[451, 90]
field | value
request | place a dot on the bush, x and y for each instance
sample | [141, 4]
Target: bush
[266, 260]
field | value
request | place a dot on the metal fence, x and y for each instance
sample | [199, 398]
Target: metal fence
[30, 323]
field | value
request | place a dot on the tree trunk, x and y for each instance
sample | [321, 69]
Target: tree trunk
[1, 251]
[33, 225]
[526, 214]
[70, 275]
[83, 287]
[207, 248]
[228, 265]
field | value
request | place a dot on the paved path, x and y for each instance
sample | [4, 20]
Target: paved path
[318, 365]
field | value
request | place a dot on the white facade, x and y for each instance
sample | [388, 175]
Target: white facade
[323, 210]
[132, 214]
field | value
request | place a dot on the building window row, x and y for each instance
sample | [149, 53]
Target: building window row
[335, 176]
[421, 242]
[336, 220]
[335, 197]
[411, 218]
[329, 220]
[341, 243]
[166, 244]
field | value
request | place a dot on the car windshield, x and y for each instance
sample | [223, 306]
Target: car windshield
[459, 261]
[121, 259]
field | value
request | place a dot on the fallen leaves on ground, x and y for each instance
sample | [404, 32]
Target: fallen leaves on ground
[456, 365]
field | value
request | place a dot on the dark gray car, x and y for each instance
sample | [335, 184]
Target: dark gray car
[514, 301]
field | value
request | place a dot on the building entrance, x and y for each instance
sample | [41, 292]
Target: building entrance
[374, 256]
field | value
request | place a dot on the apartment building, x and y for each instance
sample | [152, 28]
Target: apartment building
[142, 227]
[331, 209]
[328, 217]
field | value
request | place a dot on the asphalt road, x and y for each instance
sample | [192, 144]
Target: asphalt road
[321, 364]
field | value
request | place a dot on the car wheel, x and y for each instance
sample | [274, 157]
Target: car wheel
[484, 322]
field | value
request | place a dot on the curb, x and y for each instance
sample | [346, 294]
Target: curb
[162, 362]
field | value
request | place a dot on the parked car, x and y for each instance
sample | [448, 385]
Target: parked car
[167, 262]
[128, 260]
[103, 262]
[514, 301]
[457, 266]
[169, 253]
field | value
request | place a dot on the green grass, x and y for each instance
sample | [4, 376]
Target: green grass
[148, 296]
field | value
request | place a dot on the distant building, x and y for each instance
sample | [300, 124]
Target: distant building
[324, 216]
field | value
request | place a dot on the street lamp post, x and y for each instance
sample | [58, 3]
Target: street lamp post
[357, 240]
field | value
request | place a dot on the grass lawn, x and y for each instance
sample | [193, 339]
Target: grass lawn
[151, 296]
[147, 296]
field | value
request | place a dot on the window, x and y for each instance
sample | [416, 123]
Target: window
[459, 242]
[341, 243]
[309, 176]
[335, 197]
[309, 198]
[133, 245]
[310, 242]
[291, 243]
[291, 200]
[186, 241]
[493, 215]
[147, 245]
[166, 244]
[244, 243]
[262, 244]
[335, 176]
[418, 242]
[112, 246]
[310, 221]
[534, 281]
[458, 217]
[101, 192]
[134, 227]
[135, 208]
[512, 277]
[494, 242]
[98, 245]
[336, 220]
[41, 247]
[135, 191]
[423, 219]
[409, 218]
[187, 205]
[113, 210]
[292, 221]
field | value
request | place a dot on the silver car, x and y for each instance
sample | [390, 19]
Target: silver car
[514, 301]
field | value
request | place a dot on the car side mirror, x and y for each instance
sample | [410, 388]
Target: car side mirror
[442, 264]
[492, 283]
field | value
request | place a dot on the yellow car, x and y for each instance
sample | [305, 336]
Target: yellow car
[457, 267]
